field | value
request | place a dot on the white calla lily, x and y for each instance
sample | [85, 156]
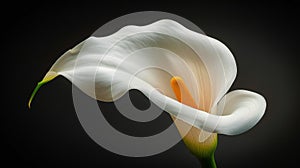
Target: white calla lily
[147, 58]
[163, 46]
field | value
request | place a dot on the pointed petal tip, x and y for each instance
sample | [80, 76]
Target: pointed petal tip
[34, 92]
[48, 77]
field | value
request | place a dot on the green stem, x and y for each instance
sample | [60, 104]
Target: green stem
[208, 162]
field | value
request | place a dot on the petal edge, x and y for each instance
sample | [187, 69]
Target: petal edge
[242, 110]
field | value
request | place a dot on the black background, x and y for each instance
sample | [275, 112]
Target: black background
[262, 36]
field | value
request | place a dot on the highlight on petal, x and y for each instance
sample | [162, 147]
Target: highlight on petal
[147, 57]
[206, 65]
[242, 110]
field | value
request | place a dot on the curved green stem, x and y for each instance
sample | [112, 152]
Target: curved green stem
[208, 162]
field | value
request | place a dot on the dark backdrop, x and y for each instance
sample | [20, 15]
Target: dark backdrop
[262, 36]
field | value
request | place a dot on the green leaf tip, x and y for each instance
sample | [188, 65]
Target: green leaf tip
[48, 77]
[35, 91]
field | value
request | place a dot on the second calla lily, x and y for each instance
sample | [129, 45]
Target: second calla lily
[183, 72]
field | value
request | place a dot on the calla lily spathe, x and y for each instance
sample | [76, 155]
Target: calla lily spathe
[149, 58]
[146, 58]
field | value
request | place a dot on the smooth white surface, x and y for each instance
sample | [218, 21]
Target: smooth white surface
[146, 58]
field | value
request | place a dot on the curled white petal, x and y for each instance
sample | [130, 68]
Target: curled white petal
[147, 57]
[209, 68]
[242, 110]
